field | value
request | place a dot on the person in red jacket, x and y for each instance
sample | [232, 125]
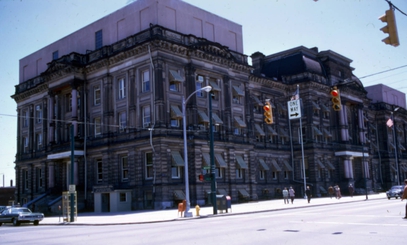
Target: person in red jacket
[404, 196]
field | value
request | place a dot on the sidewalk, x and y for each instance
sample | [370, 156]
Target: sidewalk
[152, 216]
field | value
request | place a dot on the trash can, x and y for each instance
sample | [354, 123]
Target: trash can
[223, 203]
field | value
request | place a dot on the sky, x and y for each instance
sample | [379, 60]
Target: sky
[348, 27]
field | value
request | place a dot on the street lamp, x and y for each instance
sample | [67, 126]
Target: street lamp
[395, 145]
[184, 125]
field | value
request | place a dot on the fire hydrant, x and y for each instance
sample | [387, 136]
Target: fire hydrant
[197, 208]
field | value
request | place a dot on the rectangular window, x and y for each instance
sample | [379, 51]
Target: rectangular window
[99, 170]
[239, 173]
[124, 168]
[26, 180]
[98, 126]
[145, 81]
[25, 144]
[55, 55]
[286, 175]
[26, 118]
[219, 173]
[39, 177]
[146, 116]
[122, 121]
[38, 140]
[68, 102]
[96, 95]
[198, 84]
[149, 165]
[176, 172]
[274, 175]
[123, 197]
[98, 39]
[262, 173]
[121, 89]
[38, 113]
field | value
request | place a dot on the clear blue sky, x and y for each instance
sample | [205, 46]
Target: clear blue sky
[348, 27]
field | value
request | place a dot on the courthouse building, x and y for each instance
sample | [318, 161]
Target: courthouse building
[119, 83]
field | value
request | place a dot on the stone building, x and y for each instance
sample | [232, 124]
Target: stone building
[117, 95]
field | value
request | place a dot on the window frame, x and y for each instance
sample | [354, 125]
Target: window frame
[121, 89]
[146, 116]
[122, 121]
[97, 94]
[98, 39]
[124, 168]
[145, 84]
[99, 170]
[148, 165]
[97, 124]
[38, 113]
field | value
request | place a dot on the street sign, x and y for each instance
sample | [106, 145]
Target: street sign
[294, 109]
[72, 189]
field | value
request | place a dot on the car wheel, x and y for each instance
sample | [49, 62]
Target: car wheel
[1, 224]
[388, 198]
[36, 222]
[397, 197]
[15, 222]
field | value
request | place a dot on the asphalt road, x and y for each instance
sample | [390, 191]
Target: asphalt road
[375, 222]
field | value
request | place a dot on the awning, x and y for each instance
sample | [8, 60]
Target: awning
[176, 112]
[393, 168]
[275, 166]
[259, 130]
[222, 192]
[243, 193]
[219, 161]
[327, 133]
[271, 130]
[178, 161]
[257, 101]
[329, 165]
[179, 195]
[214, 86]
[216, 118]
[325, 108]
[203, 116]
[322, 190]
[287, 166]
[316, 130]
[241, 163]
[401, 147]
[282, 132]
[240, 122]
[319, 164]
[175, 76]
[206, 159]
[403, 168]
[238, 91]
[263, 165]
[281, 107]
[315, 106]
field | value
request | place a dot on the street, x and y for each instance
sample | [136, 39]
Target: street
[365, 222]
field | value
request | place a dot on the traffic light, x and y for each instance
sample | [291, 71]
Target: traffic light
[391, 28]
[268, 113]
[336, 99]
[201, 177]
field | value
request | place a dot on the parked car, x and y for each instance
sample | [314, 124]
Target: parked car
[19, 215]
[395, 191]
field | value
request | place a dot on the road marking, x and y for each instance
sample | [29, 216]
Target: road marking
[350, 223]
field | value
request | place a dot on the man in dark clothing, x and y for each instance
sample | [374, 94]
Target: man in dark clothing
[308, 193]
[404, 196]
[351, 190]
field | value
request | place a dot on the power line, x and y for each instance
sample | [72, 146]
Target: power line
[383, 72]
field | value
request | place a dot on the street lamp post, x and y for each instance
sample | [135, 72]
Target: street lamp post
[184, 125]
[212, 157]
[395, 145]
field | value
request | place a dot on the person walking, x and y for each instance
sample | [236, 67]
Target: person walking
[338, 192]
[404, 196]
[285, 196]
[291, 193]
[308, 193]
[351, 190]
[331, 191]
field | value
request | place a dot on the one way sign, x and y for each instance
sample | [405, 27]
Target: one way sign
[294, 109]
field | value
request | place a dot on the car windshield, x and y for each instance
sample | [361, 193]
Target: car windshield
[20, 210]
[396, 188]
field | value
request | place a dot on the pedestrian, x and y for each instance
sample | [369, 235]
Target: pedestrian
[338, 192]
[331, 191]
[404, 196]
[291, 192]
[308, 193]
[285, 196]
[351, 190]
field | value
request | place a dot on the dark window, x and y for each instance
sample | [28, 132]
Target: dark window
[98, 39]
[55, 55]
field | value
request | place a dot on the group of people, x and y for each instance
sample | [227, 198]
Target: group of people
[290, 193]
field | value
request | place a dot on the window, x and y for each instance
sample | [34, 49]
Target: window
[122, 121]
[123, 197]
[96, 95]
[55, 55]
[39, 177]
[25, 144]
[274, 175]
[98, 39]
[238, 94]
[26, 179]
[26, 118]
[215, 89]
[239, 173]
[38, 113]
[98, 126]
[262, 174]
[145, 81]
[176, 116]
[149, 165]
[286, 175]
[176, 172]
[146, 116]
[38, 139]
[99, 170]
[175, 80]
[199, 84]
[121, 89]
[68, 102]
[124, 168]
[219, 172]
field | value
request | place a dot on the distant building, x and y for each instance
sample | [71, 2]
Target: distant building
[7, 197]
[386, 94]
[119, 84]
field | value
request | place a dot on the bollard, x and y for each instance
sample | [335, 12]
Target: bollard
[197, 208]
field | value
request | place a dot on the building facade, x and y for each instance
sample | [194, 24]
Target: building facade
[114, 100]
